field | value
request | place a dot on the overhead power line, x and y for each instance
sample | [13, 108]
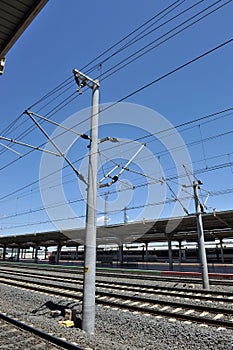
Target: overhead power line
[128, 36]
[154, 82]
[135, 207]
[68, 81]
[70, 99]
[199, 119]
[139, 53]
[159, 79]
[173, 71]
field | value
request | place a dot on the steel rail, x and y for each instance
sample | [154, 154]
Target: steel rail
[121, 301]
[226, 297]
[46, 336]
[145, 275]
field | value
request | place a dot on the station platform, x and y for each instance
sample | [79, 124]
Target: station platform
[187, 267]
[226, 268]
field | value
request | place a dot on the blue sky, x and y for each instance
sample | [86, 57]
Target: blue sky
[67, 35]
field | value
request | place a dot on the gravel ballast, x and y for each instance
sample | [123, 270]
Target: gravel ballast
[114, 329]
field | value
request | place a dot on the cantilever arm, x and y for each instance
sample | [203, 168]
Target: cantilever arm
[125, 167]
[80, 176]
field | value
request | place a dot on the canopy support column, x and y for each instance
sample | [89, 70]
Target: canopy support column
[170, 258]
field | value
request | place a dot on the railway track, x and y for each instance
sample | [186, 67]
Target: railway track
[226, 297]
[18, 335]
[123, 274]
[151, 276]
[132, 299]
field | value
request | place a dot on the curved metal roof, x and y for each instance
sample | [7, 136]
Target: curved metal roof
[216, 226]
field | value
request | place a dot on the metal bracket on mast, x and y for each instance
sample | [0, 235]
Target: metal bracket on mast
[83, 80]
[116, 177]
[175, 196]
[37, 148]
[79, 175]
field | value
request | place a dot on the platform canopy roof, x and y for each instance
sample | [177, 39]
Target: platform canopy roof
[15, 17]
[217, 225]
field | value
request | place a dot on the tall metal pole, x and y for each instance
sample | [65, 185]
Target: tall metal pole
[222, 252]
[88, 308]
[125, 216]
[106, 208]
[202, 252]
[170, 258]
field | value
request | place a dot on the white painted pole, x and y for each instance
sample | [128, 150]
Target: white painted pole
[202, 251]
[88, 308]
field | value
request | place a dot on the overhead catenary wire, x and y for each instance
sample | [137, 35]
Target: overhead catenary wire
[172, 179]
[139, 37]
[130, 170]
[51, 92]
[211, 193]
[126, 37]
[60, 85]
[25, 145]
[25, 134]
[197, 171]
[222, 192]
[166, 201]
[60, 125]
[111, 70]
[12, 124]
[144, 138]
[161, 78]
[79, 175]
[155, 81]
[172, 72]
[173, 131]
[177, 126]
[69, 80]
[56, 109]
[211, 50]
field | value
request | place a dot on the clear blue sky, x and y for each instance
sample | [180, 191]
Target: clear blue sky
[69, 34]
